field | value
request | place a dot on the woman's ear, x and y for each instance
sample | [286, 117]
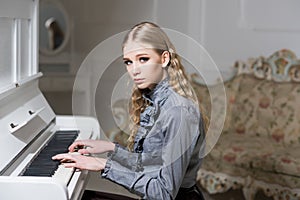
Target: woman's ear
[165, 58]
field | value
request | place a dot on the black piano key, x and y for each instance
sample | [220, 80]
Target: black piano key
[42, 164]
[46, 164]
[35, 172]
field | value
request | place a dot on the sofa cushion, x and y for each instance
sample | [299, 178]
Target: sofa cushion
[285, 180]
[236, 156]
[258, 153]
[283, 161]
[238, 151]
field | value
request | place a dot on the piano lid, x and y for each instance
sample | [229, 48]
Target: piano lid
[24, 113]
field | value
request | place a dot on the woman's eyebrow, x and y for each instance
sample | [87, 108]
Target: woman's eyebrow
[141, 54]
[126, 59]
[137, 55]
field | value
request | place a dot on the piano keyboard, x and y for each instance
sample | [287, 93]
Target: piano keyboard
[43, 165]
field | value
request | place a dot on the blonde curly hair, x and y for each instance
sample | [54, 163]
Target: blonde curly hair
[150, 34]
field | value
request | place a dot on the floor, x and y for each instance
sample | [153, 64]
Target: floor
[233, 195]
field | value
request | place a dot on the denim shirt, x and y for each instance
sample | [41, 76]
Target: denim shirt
[167, 147]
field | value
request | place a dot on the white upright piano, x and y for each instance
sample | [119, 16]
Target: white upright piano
[30, 132]
[30, 135]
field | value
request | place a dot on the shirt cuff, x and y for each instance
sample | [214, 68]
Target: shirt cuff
[106, 168]
[108, 164]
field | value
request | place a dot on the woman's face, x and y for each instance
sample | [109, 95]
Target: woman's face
[145, 66]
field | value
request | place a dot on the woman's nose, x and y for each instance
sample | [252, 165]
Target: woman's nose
[136, 69]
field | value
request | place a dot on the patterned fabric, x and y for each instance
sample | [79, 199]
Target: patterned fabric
[261, 136]
[269, 110]
[204, 97]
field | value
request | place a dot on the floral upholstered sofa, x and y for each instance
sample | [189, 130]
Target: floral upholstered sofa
[259, 147]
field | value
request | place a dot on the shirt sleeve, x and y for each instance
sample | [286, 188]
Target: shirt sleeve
[181, 133]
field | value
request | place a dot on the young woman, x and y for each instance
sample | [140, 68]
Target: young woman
[163, 153]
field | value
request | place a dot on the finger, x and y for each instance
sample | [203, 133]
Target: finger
[69, 165]
[57, 157]
[84, 151]
[61, 156]
[75, 145]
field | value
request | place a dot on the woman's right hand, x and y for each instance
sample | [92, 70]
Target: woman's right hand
[92, 146]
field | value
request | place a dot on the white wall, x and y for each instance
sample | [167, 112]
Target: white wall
[239, 29]
[235, 29]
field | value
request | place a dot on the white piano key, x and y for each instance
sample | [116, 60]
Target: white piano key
[63, 174]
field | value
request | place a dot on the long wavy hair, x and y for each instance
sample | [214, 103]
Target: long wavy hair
[151, 35]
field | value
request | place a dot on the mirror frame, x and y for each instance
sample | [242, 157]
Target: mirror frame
[61, 9]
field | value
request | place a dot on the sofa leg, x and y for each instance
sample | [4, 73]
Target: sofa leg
[249, 190]
[249, 193]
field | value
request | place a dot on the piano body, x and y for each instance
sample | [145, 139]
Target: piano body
[28, 126]
[30, 132]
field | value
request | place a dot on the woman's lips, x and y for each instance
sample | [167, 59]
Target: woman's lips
[138, 80]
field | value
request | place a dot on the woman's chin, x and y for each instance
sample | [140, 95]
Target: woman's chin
[141, 86]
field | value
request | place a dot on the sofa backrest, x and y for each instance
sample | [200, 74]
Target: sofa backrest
[263, 99]
[205, 98]
[265, 108]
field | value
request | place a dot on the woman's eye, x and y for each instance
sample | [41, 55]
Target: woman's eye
[144, 59]
[127, 62]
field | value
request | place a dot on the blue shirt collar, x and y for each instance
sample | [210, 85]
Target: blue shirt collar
[159, 93]
[157, 98]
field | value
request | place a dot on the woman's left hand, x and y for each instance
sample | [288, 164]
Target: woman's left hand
[81, 161]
